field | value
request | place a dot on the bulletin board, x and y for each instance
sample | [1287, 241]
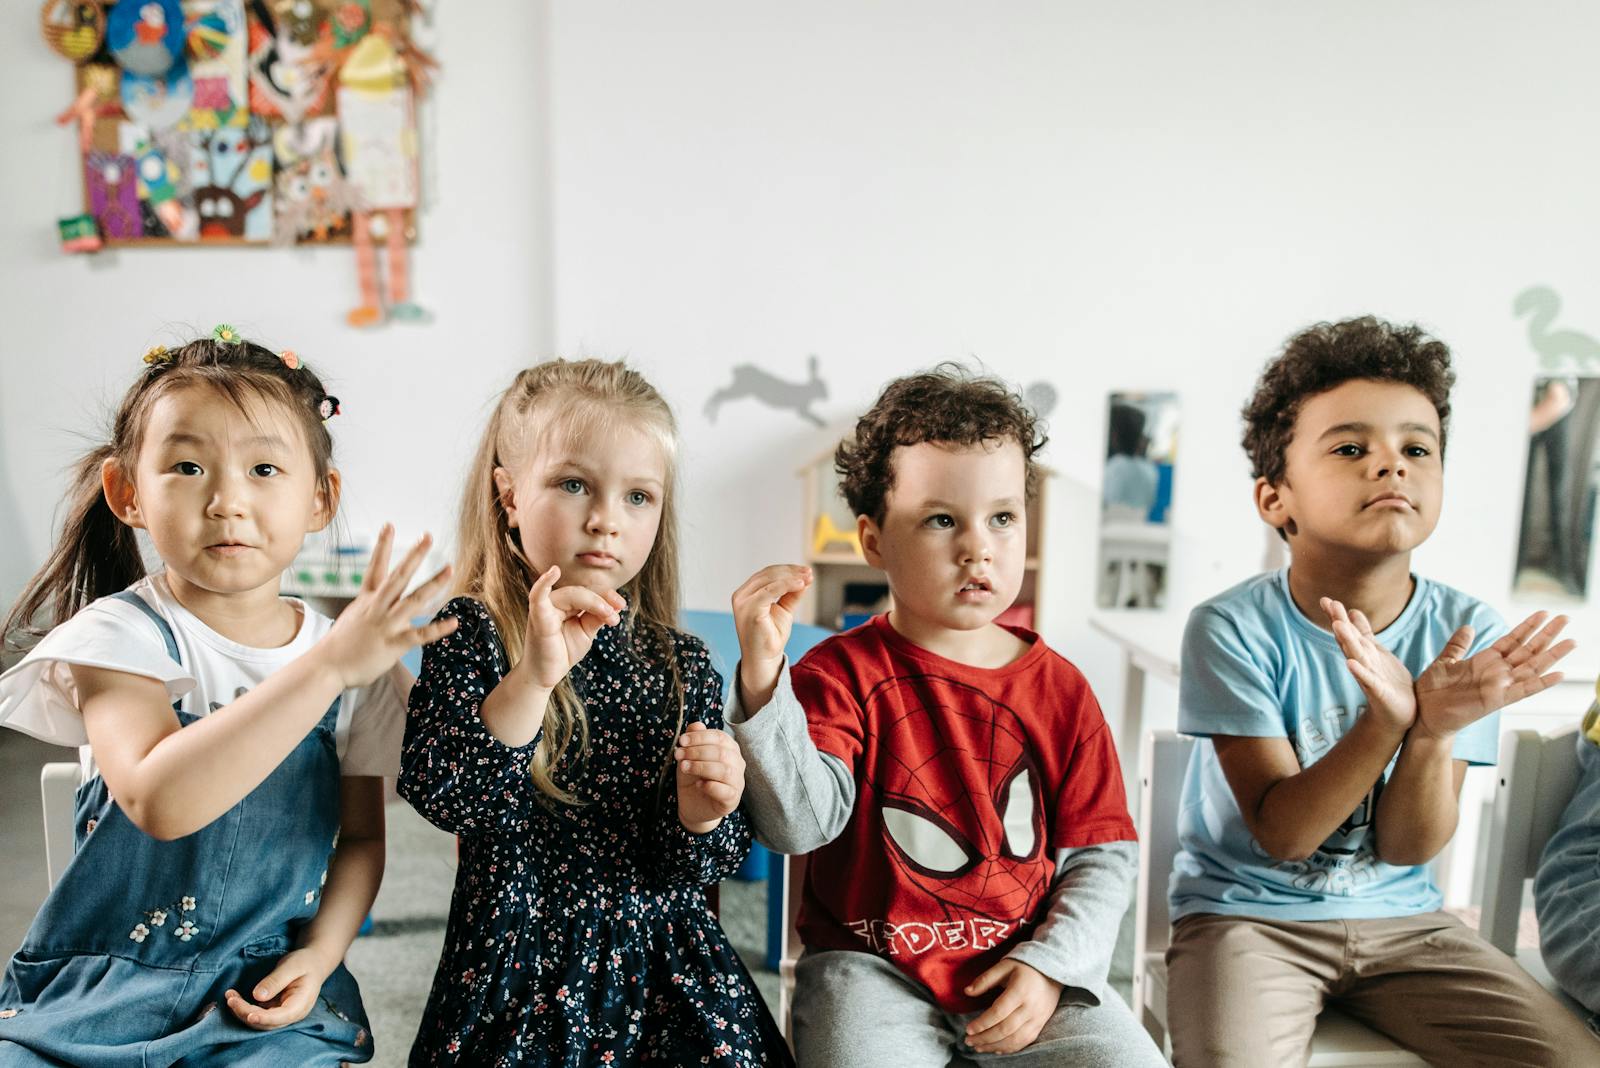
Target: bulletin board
[241, 122]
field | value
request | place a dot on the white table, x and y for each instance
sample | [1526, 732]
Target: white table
[1151, 642]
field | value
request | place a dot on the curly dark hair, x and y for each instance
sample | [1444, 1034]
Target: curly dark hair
[1326, 355]
[947, 404]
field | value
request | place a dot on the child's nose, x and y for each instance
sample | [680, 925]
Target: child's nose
[602, 520]
[227, 498]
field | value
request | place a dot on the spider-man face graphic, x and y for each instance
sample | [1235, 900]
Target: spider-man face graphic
[959, 794]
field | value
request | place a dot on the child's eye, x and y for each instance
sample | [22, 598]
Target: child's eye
[187, 467]
[264, 470]
[939, 522]
[573, 486]
[1004, 519]
[1418, 450]
[1349, 449]
[638, 498]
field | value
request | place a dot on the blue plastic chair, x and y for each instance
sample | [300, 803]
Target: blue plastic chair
[716, 629]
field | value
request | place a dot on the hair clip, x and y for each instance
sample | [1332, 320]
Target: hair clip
[156, 354]
[226, 334]
[328, 407]
[290, 359]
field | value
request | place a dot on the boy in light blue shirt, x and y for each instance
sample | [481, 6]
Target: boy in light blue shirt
[1340, 702]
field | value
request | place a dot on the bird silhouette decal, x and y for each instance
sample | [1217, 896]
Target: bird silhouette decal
[1570, 351]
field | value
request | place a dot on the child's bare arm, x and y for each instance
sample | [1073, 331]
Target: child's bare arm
[290, 990]
[1291, 811]
[172, 780]
[1418, 811]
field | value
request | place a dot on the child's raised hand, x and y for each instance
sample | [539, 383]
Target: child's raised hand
[376, 628]
[285, 995]
[1015, 1018]
[763, 614]
[710, 777]
[1454, 693]
[1381, 675]
[562, 624]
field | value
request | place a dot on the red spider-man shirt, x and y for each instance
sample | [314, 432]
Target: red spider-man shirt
[968, 780]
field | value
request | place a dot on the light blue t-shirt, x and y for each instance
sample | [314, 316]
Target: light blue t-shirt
[1254, 666]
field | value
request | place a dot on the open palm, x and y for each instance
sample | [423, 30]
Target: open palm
[1454, 692]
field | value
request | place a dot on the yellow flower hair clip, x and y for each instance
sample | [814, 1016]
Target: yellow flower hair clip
[156, 354]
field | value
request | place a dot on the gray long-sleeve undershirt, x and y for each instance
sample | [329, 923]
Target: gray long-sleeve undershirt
[799, 799]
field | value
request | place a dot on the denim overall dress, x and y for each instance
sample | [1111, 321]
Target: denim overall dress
[127, 962]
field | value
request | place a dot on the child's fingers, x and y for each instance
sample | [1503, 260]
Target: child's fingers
[378, 565]
[1547, 634]
[1364, 677]
[1459, 644]
[725, 795]
[397, 581]
[1541, 663]
[292, 1008]
[274, 984]
[713, 770]
[419, 602]
[987, 981]
[997, 1038]
[1363, 624]
[1520, 633]
[429, 633]
[994, 1016]
[570, 600]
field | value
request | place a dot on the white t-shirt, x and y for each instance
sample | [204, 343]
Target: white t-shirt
[38, 697]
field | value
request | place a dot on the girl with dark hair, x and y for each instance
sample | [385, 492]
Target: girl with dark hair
[229, 831]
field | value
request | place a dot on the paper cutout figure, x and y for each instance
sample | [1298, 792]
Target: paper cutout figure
[1559, 350]
[79, 234]
[232, 171]
[217, 63]
[288, 76]
[752, 381]
[146, 36]
[74, 28]
[311, 197]
[113, 184]
[379, 140]
[829, 533]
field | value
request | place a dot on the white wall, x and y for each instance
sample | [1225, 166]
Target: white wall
[1107, 196]
[414, 396]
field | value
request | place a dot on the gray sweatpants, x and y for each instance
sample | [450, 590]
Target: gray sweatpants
[856, 1010]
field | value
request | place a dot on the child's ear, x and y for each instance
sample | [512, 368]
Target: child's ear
[1273, 506]
[506, 490]
[868, 534]
[122, 496]
[327, 502]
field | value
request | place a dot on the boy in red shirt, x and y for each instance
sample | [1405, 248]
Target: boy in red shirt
[952, 778]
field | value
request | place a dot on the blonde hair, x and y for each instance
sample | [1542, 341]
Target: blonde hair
[572, 399]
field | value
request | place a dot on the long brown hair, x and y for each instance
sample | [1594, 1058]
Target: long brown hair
[97, 554]
[574, 398]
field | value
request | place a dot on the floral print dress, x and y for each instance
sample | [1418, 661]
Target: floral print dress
[578, 935]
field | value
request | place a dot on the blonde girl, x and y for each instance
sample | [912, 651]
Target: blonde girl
[571, 736]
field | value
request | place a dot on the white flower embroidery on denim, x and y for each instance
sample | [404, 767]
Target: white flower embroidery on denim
[6, 1014]
[324, 880]
[158, 917]
[187, 904]
[311, 895]
[186, 930]
[139, 932]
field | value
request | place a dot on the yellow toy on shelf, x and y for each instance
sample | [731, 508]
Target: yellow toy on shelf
[829, 533]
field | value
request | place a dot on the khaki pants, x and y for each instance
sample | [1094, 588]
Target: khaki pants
[1243, 993]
